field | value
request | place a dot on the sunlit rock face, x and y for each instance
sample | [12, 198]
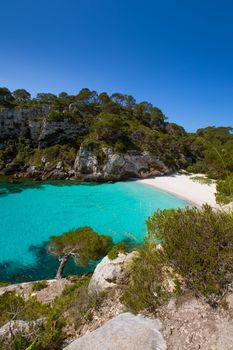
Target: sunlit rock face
[125, 331]
[103, 164]
[32, 123]
[115, 166]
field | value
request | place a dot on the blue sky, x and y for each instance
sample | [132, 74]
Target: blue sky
[177, 54]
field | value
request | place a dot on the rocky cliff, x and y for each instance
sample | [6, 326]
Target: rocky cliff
[32, 123]
[117, 166]
[89, 164]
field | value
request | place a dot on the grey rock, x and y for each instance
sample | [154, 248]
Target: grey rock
[59, 165]
[32, 122]
[32, 170]
[86, 162]
[117, 166]
[108, 273]
[124, 332]
[132, 163]
[44, 160]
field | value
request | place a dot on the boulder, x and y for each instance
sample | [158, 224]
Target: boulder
[108, 273]
[132, 163]
[86, 162]
[124, 332]
[117, 166]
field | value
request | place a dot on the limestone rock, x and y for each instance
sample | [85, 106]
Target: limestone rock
[117, 166]
[32, 122]
[86, 162]
[124, 332]
[109, 273]
[132, 163]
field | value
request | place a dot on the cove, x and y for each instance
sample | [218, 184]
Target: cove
[29, 215]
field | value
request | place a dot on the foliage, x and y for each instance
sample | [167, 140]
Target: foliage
[212, 148]
[144, 286]
[77, 303]
[198, 245]
[119, 122]
[224, 193]
[21, 96]
[77, 306]
[50, 334]
[6, 98]
[116, 249]
[4, 284]
[202, 180]
[83, 244]
[37, 286]
[15, 307]
[48, 157]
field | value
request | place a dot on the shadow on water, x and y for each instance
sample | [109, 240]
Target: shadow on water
[12, 187]
[17, 186]
[45, 267]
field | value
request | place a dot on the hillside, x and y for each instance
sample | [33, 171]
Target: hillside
[97, 137]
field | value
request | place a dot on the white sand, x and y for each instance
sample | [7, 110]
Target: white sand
[182, 186]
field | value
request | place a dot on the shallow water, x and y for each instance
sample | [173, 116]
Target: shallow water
[29, 215]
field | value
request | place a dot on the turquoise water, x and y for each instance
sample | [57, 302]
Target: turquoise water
[29, 215]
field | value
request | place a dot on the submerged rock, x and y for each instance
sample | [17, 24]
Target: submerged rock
[124, 332]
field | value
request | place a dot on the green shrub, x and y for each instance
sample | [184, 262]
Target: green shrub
[198, 245]
[143, 288]
[116, 249]
[37, 286]
[15, 306]
[202, 180]
[76, 303]
[224, 188]
[4, 284]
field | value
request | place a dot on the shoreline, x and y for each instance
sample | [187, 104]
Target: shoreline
[177, 184]
[183, 187]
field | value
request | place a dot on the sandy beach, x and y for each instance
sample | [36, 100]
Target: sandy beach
[181, 185]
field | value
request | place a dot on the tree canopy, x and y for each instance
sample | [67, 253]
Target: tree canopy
[83, 244]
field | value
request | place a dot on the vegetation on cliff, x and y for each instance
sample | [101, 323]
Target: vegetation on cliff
[117, 122]
[196, 254]
[185, 250]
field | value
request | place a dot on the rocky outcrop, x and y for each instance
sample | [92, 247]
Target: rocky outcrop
[189, 323]
[124, 332]
[117, 166]
[16, 122]
[46, 295]
[89, 165]
[32, 123]
[86, 163]
[109, 273]
[53, 132]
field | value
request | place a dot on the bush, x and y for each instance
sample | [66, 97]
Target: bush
[76, 303]
[14, 306]
[144, 286]
[198, 245]
[116, 249]
[224, 188]
[4, 284]
[37, 286]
